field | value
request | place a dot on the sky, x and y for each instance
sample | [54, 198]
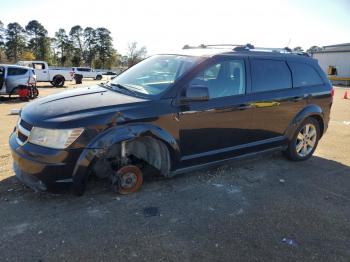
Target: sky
[163, 25]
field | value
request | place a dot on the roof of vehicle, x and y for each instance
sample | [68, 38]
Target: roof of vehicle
[31, 61]
[17, 66]
[247, 50]
[202, 51]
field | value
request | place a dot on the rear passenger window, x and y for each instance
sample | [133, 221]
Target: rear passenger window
[304, 75]
[270, 75]
[13, 71]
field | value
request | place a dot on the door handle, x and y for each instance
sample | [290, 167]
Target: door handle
[244, 106]
[44, 71]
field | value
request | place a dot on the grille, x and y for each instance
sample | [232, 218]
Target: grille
[23, 131]
[26, 125]
[23, 138]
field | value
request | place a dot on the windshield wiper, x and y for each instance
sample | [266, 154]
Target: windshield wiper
[121, 87]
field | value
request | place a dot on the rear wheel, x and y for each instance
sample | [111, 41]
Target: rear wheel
[304, 141]
[58, 81]
[22, 91]
[98, 77]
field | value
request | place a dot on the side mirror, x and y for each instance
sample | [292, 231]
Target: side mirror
[196, 93]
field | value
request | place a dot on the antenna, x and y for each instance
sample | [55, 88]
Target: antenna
[288, 42]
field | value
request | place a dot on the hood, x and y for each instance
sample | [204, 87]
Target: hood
[93, 102]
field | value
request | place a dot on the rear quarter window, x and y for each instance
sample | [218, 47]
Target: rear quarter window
[13, 71]
[304, 75]
[270, 75]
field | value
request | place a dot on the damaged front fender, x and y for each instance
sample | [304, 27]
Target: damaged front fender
[100, 145]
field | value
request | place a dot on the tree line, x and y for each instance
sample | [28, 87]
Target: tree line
[80, 46]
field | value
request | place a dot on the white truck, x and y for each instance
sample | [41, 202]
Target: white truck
[43, 73]
[87, 72]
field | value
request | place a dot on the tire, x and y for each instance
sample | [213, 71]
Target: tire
[17, 91]
[13, 92]
[304, 141]
[98, 77]
[58, 81]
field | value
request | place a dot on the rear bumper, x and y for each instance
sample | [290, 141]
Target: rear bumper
[42, 168]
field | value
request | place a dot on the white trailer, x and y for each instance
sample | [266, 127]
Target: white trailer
[335, 62]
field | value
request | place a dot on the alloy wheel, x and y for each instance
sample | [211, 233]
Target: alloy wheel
[306, 140]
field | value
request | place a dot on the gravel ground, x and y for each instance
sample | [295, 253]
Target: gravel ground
[261, 209]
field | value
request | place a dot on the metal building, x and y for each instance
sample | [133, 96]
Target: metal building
[335, 62]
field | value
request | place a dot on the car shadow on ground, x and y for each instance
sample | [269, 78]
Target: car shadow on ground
[12, 100]
[49, 86]
[260, 209]
[243, 173]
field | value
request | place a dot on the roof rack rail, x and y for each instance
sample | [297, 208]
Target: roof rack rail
[285, 50]
[213, 46]
[249, 47]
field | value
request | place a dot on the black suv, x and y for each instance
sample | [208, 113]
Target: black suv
[174, 113]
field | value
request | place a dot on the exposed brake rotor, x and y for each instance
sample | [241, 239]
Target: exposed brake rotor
[127, 180]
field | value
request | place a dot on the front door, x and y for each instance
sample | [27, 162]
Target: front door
[214, 128]
[41, 72]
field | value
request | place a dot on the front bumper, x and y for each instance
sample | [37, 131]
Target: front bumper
[42, 168]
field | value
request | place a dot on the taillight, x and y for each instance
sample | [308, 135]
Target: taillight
[332, 91]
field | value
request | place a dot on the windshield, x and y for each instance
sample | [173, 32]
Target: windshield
[155, 74]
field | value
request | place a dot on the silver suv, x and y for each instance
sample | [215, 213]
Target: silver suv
[14, 78]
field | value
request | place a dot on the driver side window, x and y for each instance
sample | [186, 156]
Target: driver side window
[226, 78]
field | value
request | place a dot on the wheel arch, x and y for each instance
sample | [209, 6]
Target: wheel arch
[102, 143]
[311, 110]
[58, 75]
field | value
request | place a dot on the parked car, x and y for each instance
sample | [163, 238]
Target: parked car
[87, 72]
[56, 77]
[18, 80]
[110, 73]
[176, 113]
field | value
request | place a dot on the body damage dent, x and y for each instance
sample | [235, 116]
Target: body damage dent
[158, 149]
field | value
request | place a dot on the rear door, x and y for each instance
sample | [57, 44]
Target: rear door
[90, 73]
[2, 80]
[83, 71]
[274, 101]
[16, 76]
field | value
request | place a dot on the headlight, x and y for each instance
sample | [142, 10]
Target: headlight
[54, 138]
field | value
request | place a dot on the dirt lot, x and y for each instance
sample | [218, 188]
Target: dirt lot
[261, 209]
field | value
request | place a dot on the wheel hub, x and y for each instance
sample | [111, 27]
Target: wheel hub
[128, 180]
[306, 140]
